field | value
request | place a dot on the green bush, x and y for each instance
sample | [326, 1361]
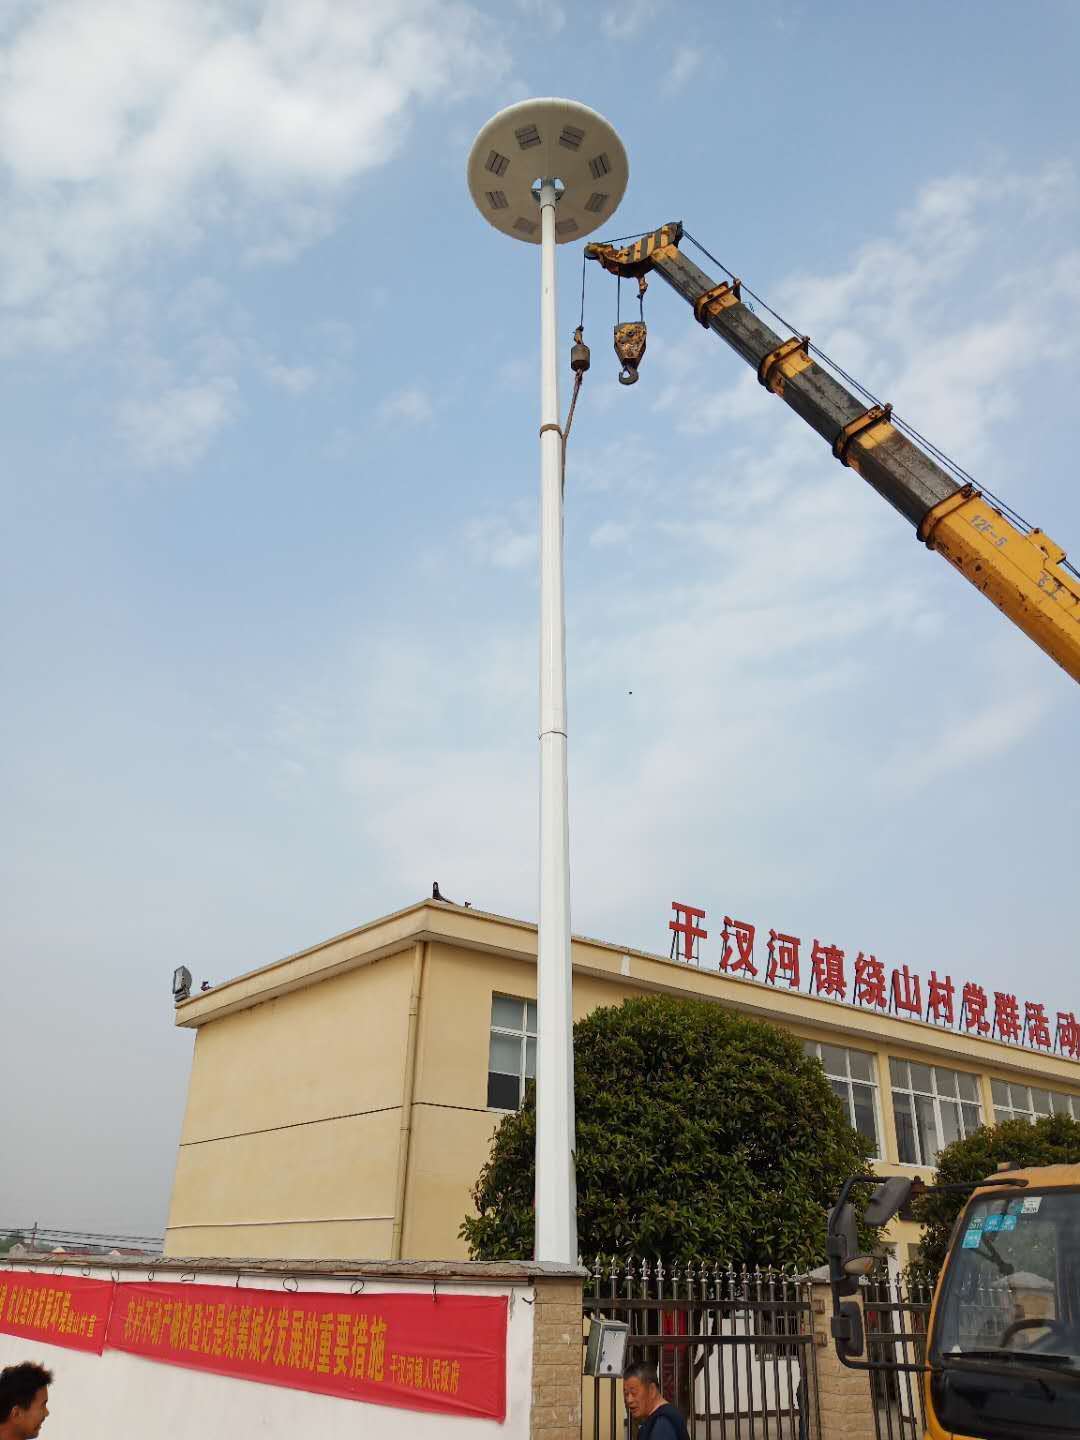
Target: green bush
[1054, 1140]
[699, 1134]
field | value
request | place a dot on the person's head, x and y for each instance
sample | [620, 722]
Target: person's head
[641, 1390]
[24, 1400]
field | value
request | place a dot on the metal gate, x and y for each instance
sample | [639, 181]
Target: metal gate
[732, 1347]
[897, 1312]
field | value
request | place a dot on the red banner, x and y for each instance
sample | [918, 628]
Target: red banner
[56, 1309]
[423, 1352]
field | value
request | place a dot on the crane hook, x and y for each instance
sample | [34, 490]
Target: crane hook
[630, 340]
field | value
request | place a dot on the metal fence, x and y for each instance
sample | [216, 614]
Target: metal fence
[896, 1314]
[732, 1347]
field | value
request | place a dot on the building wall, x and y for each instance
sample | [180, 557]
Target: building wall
[97, 1397]
[452, 1124]
[289, 1143]
[294, 1126]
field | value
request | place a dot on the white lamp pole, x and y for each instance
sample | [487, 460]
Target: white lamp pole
[551, 171]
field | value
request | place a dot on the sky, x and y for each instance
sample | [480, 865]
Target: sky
[269, 471]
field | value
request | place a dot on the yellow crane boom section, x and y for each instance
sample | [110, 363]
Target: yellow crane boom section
[1023, 573]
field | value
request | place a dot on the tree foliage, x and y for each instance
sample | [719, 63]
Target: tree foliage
[1054, 1140]
[699, 1133]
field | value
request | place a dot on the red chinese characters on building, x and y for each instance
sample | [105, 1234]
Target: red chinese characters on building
[743, 934]
[939, 1001]
[1068, 1034]
[906, 992]
[1037, 1026]
[973, 1008]
[783, 959]
[685, 925]
[870, 983]
[827, 970]
[1006, 1017]
[968, 1007]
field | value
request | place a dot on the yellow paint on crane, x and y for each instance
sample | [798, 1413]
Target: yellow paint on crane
[1022, 574]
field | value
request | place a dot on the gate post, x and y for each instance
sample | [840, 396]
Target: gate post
[840, 1404]
[557, 1355]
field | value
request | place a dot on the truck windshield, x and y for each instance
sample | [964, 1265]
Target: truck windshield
[1011, 1283]
[1006, 1344]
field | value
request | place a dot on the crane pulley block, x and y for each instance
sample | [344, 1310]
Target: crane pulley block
[630, 348]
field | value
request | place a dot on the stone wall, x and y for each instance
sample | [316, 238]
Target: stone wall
[557, 1359]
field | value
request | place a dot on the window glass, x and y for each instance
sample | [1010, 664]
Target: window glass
[950, 1122]
[862, 1066]
[511, 1051]
[858, 1099]
[530, 1016]
[932, 1109]
[504, 1054]
[905, 1128]
[926, 1129]
[865, 1111]
[503, 1091]
[834, 1060]
[972, 1118]
[898, 1071]
[506, 1012]
[1000, 1092]
[945, 1080]
[1040, 1101]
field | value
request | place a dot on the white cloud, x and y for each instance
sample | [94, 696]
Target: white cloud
[124, 126]
[684, 64]
[409, 406]
[547, 12]
[979, 735]
[623, 22]
[611, 534]
[296, 379]
[505, 543]
[175, 428]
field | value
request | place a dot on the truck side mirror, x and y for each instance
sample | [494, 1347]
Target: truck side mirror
[888, 1200]
[842, 1245]
[847, 1330]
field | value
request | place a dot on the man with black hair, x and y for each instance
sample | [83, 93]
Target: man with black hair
[24, 1400]
[657, 1420]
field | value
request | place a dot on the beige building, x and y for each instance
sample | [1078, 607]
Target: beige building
[342, 1100]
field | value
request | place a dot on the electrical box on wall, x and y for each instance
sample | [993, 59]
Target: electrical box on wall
[605, 1350]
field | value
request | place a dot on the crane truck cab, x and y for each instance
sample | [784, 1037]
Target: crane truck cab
[1002, 1356]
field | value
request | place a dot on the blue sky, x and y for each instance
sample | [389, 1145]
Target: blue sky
[269, 471]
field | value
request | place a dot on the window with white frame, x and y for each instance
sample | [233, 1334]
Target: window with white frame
[511, 1051]
[853, 1079]
[932, 1108]
[1029, 1102]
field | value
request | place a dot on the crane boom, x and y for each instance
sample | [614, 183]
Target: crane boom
[1023, 573]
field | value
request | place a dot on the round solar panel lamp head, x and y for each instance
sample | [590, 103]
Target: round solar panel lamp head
[549, 139]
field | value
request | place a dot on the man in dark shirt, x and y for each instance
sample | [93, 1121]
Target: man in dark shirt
[657, 1420]
[24, 1400]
